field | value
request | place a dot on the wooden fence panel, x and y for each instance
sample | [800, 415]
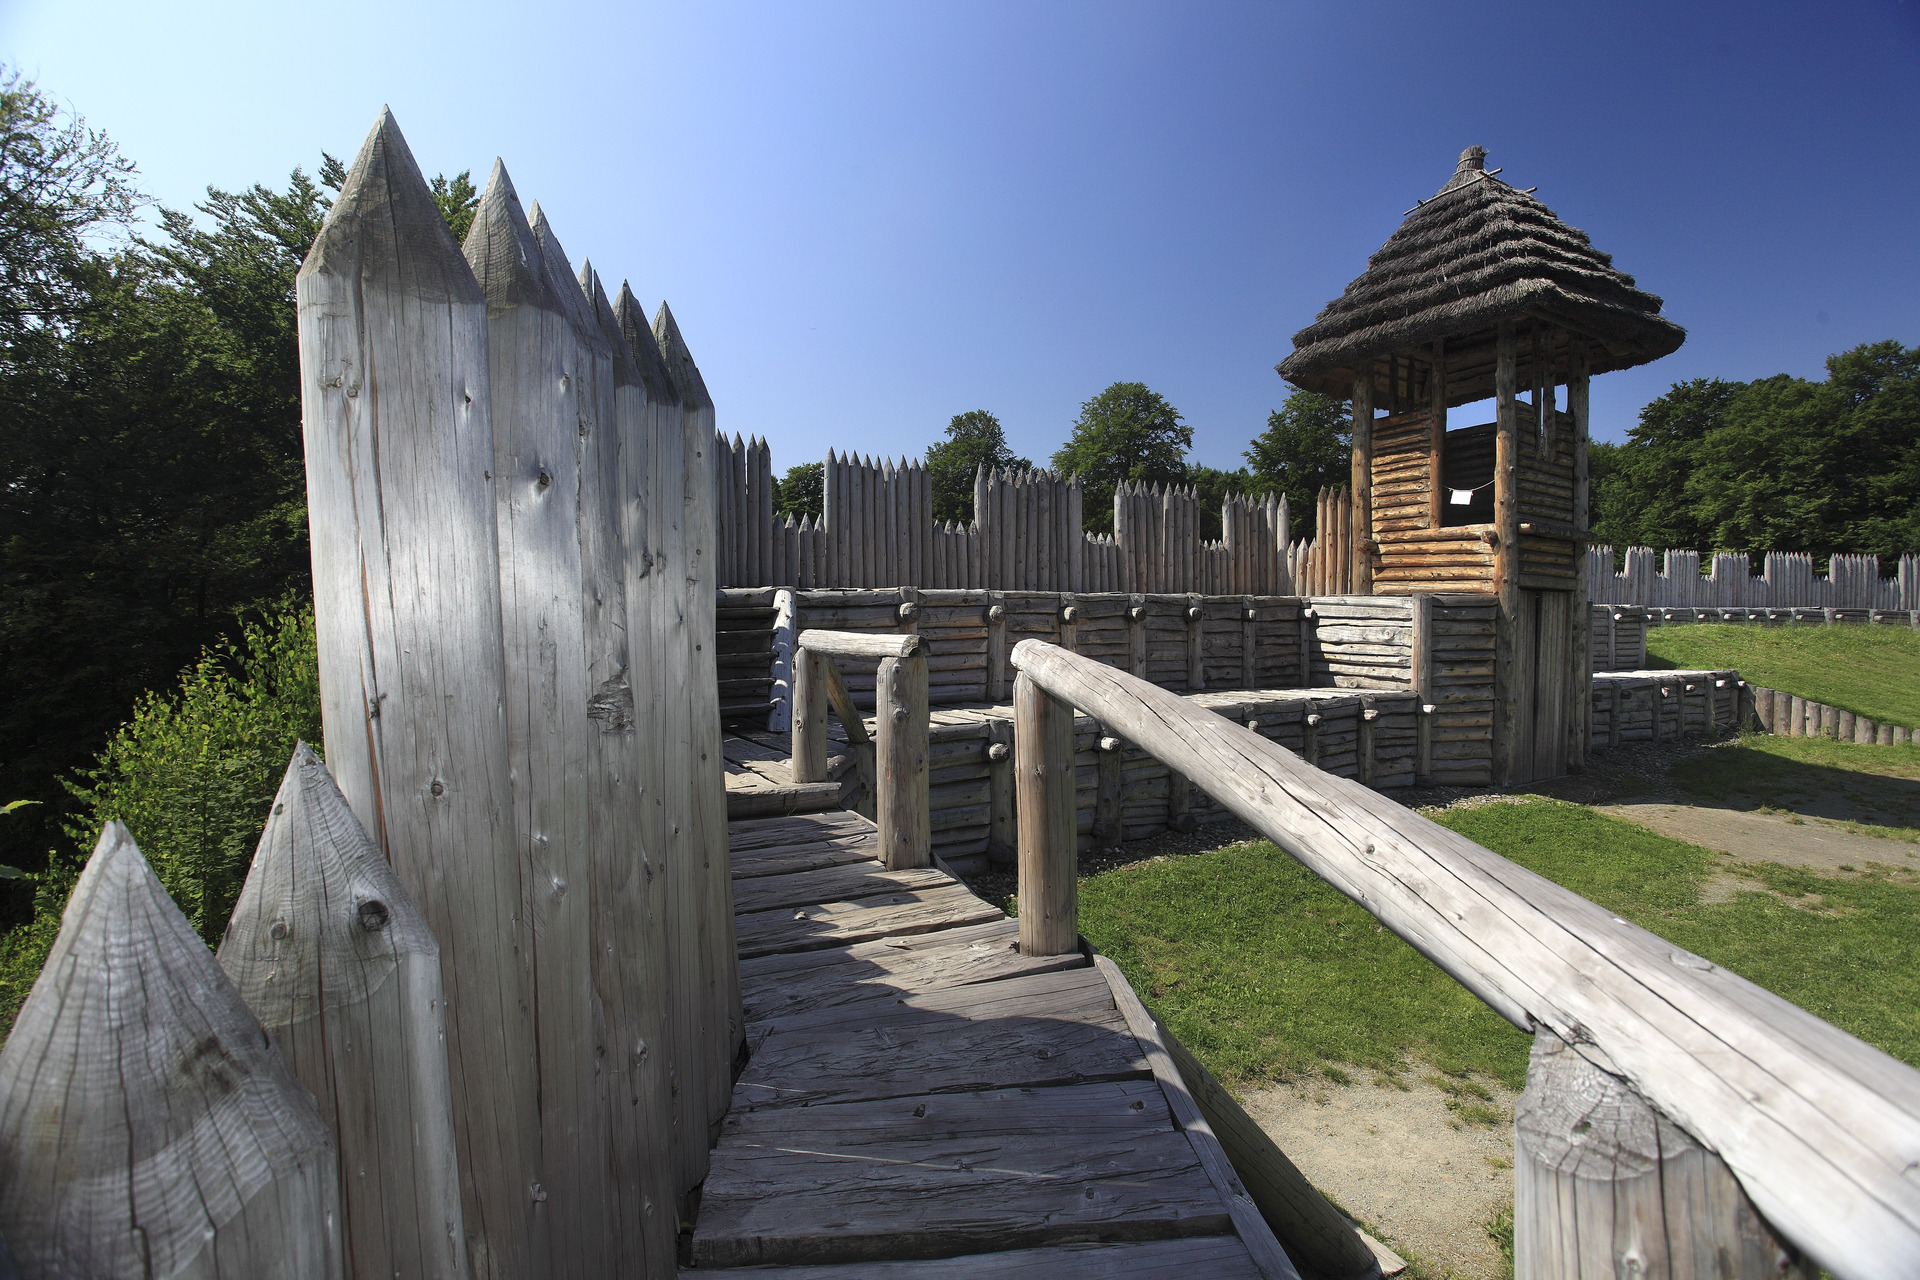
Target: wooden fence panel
[1786, 581]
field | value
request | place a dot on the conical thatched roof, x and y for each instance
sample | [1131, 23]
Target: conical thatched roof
[1477, 253]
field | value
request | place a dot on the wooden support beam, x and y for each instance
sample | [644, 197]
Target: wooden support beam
[1106, 804]
[1003, 834]
[1580, 659]
[1606, 1186]
[862, 646]
[1437, 437]
[903, 805]
[1359, 533]
[1043, 759]
[810, 685]
[997, 640]
[1510, 668]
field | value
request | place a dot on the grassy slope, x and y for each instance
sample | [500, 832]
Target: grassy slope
[1268, 973]
[1873, 671]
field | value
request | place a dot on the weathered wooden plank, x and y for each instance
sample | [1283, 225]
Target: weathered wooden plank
[399, 447]
[970, 1172]
[1067, 992]
[769, 801]
[810, 855]
[892, 967]
[864, 879]
[832, 924]
[845, 1062]
[329, 952]
[147, 1125]
[748, 834]
[1187, 1117]
[1223, 1257]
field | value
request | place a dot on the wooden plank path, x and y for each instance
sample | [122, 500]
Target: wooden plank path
[923, 1100]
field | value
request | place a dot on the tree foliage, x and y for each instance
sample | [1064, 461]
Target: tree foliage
[1308, 445]
[1782, 463]
[803, 492]
[1212, 486]
[974, 439]
[151, 474]
[1126, 433]
[458, 199]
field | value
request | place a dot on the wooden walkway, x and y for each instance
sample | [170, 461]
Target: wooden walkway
[923, 1100]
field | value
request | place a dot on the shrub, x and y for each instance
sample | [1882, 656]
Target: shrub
[193, 772]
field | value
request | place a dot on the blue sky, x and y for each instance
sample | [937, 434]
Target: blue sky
[869, 218]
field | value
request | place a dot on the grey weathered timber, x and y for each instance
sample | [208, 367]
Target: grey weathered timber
[864, 646]
[1359, 531]
[630, 969]
[1313, 1231]
[810, 716]
[698, 777]
[543, 384]
[833, 924]
[1043, 770]
[839, 1183]
[1188, 1118]
[802, 982]
[811, 854]
[1819, 1127]
[398, 427]
[903, 809]
[850, 1063]
[1604, 1186]
[843, 883]
[1215, 1257]
[1512, 666]
[147, 1125]
[331, 955]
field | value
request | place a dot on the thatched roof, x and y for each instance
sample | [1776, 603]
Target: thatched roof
[1477, 253]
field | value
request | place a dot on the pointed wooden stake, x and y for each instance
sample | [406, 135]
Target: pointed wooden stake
[147, 1125]
[397, 416]
[329, 952]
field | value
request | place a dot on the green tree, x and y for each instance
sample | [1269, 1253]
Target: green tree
[1126, 433]
[458, 198]
[1308, 445]
[803, 492]
[974, 439]
[1780, 463]
[1213, 486]
[61, 184]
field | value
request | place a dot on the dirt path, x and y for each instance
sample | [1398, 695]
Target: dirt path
[1767, 837]
[1400, 1161]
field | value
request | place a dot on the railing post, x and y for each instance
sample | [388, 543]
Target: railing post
[1606, 1186]
[809, 716]
[903, 806]
[1043, 764]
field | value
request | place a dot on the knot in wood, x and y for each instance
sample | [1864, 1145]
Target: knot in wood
[279, 930]
[373, 915]
[544, 479]
[536, 1193]
[997, 751]
[438, 788]
[899, 715]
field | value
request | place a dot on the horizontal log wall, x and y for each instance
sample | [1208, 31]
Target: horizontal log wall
[1618, 638]
[1123, 793]
[1788, 581]
[1665, 706]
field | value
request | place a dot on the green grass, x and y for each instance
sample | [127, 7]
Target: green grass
[1268, 974]
[1871, 671]
[1867, 790]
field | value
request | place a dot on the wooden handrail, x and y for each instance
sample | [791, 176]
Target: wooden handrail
[903, 807]
[1821, 1129]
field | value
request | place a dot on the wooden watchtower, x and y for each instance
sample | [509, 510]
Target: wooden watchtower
[1484, 292]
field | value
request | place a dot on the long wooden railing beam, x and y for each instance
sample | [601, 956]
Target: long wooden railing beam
[1821, 1129]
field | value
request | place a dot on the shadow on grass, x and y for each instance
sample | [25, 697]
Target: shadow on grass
[1868, 787]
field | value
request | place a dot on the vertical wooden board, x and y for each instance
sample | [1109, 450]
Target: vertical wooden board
[656, 562]
[147, 1125]
[1508, 689]
[629, 944]
[1553, 705]
[330, 954]
[393, 352]
[542, 383]
[722, 1022]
